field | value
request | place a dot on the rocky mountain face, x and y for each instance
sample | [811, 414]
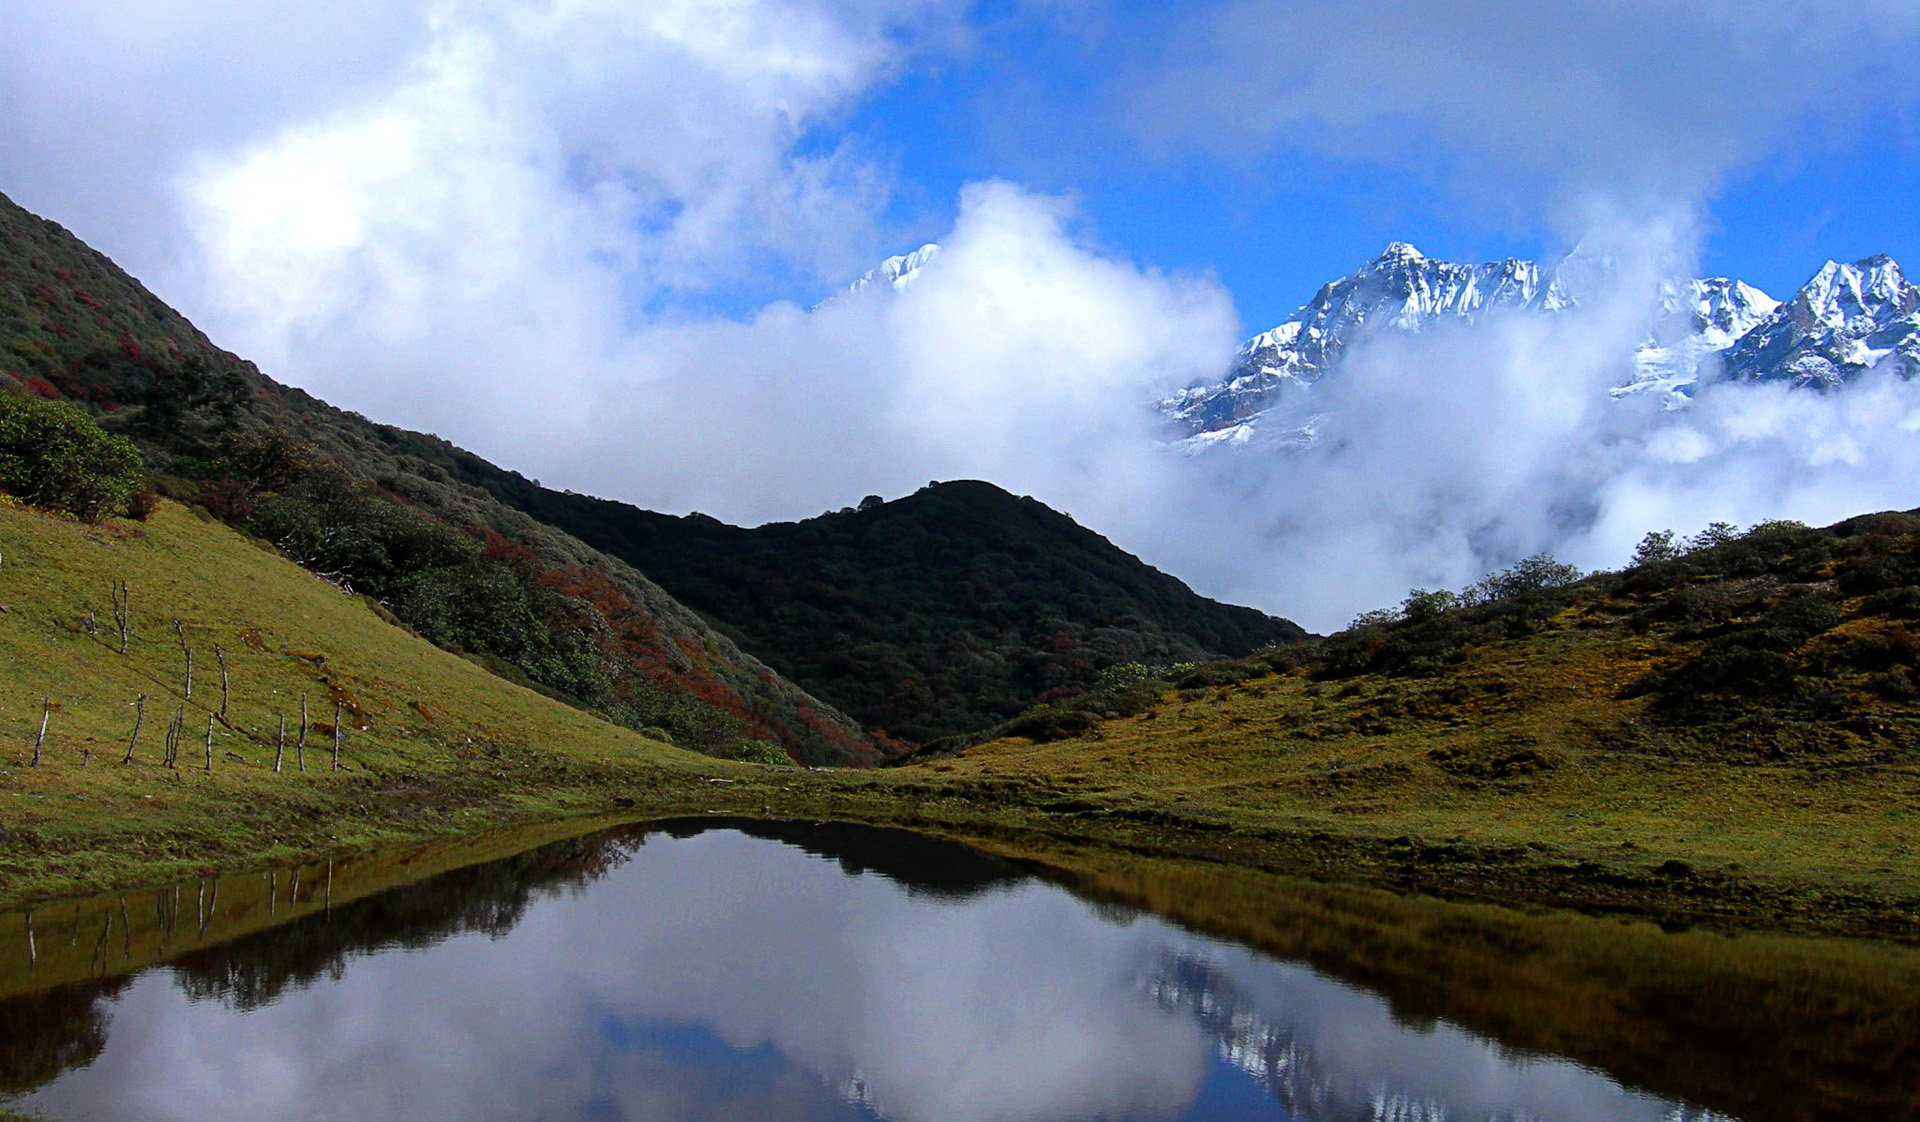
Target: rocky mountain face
[1847, 320]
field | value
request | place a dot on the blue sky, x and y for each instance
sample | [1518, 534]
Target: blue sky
[1276, 227]
[581, 239]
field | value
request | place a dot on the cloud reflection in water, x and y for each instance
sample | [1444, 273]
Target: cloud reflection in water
[726, 976]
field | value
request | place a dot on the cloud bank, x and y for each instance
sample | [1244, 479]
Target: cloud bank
[574, 236]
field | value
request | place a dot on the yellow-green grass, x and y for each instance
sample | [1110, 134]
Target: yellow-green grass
[433, 744]
[1522, 774]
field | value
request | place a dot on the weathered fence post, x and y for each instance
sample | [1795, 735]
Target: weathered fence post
[174, 727]
[209, 744]
[122, 596]
[222, 657]
[280, 744]
[186, 653]
[300, 749]
[336, 735]
[139, 714]
[46, 707]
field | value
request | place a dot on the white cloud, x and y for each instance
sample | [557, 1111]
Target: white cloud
[507, 222]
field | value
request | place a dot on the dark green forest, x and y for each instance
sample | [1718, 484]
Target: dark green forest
[939, 613]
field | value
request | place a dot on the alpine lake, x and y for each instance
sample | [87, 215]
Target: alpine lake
[738, 969]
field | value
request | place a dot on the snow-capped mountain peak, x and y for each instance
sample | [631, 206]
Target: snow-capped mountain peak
[898, 271]
[1401, 289]
[1846, 320]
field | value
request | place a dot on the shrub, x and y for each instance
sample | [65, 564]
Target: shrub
[53, 456]
[1421, 604]
[1716, 534]
[142, 503]
[1528, 574]
[754, 751]
[1658, 545]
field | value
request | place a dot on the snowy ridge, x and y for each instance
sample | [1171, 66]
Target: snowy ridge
[1703, 319]
[1400, 290]
[1847, 320]
[898, 271]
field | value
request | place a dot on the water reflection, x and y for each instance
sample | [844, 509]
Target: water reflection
[805, 973]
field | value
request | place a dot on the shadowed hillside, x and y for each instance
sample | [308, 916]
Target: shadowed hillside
[537, 605]
[935, 614]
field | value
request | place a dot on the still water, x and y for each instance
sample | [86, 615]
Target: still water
[746, 972]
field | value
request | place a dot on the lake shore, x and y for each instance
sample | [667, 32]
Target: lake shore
[109, 843]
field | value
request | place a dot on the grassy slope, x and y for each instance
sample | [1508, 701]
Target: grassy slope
[434, 743]
[1549, 764]
[1407, 782]
[74, 325]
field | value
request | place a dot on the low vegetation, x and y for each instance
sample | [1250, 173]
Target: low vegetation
[1701, 733]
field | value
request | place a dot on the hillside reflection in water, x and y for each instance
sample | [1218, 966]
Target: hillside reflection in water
[837, 974]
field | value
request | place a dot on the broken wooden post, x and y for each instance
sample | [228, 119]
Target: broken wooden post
[209, 743]
[300, 749]
[222, 657]
[280, 744]
[46, 707]
[121, 598]
[336, 735]
[174, 728]
[139, 714]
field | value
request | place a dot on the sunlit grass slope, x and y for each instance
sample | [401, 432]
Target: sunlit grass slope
[1737, 729]
[432, 743]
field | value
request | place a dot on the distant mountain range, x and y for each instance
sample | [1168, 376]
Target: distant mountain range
[1845, 321]
[1848, 319]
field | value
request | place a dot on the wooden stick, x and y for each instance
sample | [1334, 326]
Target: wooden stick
[46, 707]
[280, 744]
[222, 656]
[209, 744]
[300, 749]
[139, 714]
[122, 596]
[336, 736]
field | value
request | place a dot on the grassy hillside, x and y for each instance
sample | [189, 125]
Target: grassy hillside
[433, 743]
[1735, 726]
[73, 326]
[935, 614]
